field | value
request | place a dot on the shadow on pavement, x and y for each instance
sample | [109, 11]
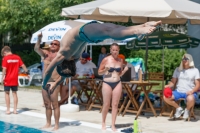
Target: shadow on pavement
[123, 125]
[24, 110]
[181, 119]
[73, 123]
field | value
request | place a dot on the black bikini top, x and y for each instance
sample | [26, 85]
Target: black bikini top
[112, 69]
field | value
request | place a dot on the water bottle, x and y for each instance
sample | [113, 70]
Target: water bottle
[156, 103]
[75, 100]
[141, 99]
[139, 127]
[135, 126]
[83, 97]
[140, 73]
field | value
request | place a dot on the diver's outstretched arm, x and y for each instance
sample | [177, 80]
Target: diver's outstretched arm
[47, 74]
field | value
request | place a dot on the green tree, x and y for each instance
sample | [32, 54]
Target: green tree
[21, 18]
[172, 59]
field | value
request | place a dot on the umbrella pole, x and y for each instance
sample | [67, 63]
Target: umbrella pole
[146, 56]
[86, 49]
[163, 56]
[70, 108]
[69, 97]
[91, 52]
[163, 67]
[146, 59]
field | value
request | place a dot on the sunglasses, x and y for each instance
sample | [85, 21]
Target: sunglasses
[185, 59]
[54, 44]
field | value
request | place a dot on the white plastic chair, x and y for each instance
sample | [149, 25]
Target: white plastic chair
[27, 80]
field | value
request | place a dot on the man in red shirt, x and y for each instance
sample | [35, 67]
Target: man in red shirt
[10, 65]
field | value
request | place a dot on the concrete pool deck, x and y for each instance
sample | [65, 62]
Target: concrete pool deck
[32, 114]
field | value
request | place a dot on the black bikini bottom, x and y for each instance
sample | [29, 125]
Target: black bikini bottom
[112, 84]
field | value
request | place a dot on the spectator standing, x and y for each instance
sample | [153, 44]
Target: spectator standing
[10, 65]
[102, 55]
[50, 101]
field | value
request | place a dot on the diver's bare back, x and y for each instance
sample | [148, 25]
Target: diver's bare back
[71, 44]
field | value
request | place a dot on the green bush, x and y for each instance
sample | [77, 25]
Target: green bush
[29, 57]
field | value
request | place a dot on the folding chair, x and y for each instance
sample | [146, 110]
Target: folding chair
[191, 110]
[157, 77]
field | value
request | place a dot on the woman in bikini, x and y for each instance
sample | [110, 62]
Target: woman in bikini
[112, 69]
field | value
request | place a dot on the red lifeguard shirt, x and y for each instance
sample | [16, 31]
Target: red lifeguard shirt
[12, 63]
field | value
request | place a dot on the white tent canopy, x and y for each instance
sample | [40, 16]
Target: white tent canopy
[139, 11]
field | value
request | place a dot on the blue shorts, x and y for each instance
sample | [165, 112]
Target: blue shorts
[13, 88]
[178, 95]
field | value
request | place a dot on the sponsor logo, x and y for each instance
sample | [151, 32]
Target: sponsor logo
[183, 40]
[57, 29]
[170, 35]
[168, 41]
[12, 61]
[155, 42]
[54, 37]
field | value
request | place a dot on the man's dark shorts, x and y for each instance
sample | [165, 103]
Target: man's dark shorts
[13, 88]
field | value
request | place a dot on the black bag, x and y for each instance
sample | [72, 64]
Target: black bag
[67, 68]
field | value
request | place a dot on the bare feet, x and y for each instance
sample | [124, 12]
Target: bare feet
[145, 30]
[153, 23]
[15, 112]
[114, 129]
[55, 128]
[8, 112]
[46, 126]
[103, 126]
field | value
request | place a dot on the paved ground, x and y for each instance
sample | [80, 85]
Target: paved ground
[30, 104]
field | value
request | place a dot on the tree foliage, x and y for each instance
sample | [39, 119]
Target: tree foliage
[172, 59]
[21, 18]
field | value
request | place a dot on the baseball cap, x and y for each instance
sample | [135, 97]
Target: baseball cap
[86, 56]
[168, 92]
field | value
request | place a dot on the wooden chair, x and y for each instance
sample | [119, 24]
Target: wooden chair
[191, 110]
[157, 77]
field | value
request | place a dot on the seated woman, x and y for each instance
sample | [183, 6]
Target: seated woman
[186, 78]
[112, 69]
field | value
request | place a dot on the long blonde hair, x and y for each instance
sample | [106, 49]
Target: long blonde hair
[191, 62]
